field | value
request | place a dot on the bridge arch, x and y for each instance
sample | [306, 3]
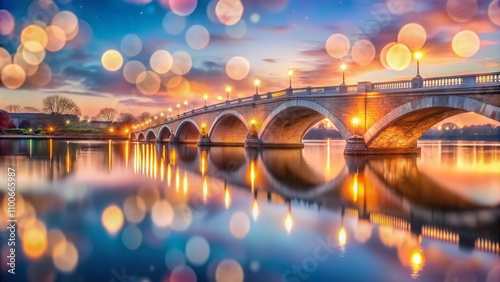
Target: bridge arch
[403, 126]
[164, 133]
[151, 136]
[229, 127]
[289, 122]
[187, 131]
[141, 137]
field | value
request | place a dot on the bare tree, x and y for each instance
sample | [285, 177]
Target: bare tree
[126, 119]
[13, 108]
[60, 105]
[107, 114]
[29, 109]
[144, 116]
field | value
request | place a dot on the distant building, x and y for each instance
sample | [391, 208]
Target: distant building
[35, 120]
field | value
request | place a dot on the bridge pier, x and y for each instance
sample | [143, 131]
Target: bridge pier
[356, 146]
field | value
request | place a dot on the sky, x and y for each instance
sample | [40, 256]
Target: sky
[149, 55]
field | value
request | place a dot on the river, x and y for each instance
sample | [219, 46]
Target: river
[124, 211]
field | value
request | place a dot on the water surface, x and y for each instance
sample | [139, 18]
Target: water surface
[122, 211]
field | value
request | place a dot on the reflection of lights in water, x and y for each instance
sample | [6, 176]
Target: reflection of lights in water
[162, 213]
[355, 187]
[185, 183]
[203, 163]
[65, 256]
[110, 155]
[229, 270]
[205, 190]
[197, 250]
[112, 219]
[227, 197]
[173, 156]
[288, 222]
[417, 262]
[342, 237]
[127, 149]
[177, 179]
[50, 148]
[68, 159]
[252, 175]
[255, 210]
[169, 175]
[162, 170]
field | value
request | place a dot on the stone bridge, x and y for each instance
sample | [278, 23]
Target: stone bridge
[374, 118]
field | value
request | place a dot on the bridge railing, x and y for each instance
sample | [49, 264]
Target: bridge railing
[361, 87]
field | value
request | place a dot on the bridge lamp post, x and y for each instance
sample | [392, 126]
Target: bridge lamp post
[170, 111]
[257, 84]
[418, 56]
[205, 97]
[156, 119]
[178, 109]
[228, 89]
[185, 106]
[343, 67]
[290, 74]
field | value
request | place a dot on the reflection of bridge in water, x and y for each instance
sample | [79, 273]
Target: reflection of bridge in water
[387, 191]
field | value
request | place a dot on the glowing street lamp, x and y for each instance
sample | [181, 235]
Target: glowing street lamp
[170, 111]
[228, 89]
[418, 56]
[178, 109]
[257, 84]
[290, 74]
[205, 97]
[185, 106]
[355, 121]
[343, 67]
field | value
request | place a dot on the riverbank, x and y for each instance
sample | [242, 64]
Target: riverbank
[63, 137]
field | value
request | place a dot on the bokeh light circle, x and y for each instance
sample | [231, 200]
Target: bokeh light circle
[173, 24]
[183, 273]
[494, 12]
[337, 45]
[400, 7]
[237, 68]
[162, 213]
[197, 250]
[112, 60]
[112, 219]
[131, 45]
[33, 53]
[398, 57]
[229, 12]
[19, 60]
[7, 22]
[466, 43]
[42, 76]
[383, 55]
[148, 82]
[56, 38]
[178, 85]
[229, 270]
[461, 10]
[238, 30]
[34, 33]
[182, 63]
[65, 256]
[5, 58]
[161, 61]
[197, 37]
[131, 71]
[174, 258]
[134, 208]
[68, 22]
[132, 237]
[239, 225]
[13, 76]
[182, 7]
[182, 218]
[412, 35]
[34, 241]
[255, 18]
[363, 52]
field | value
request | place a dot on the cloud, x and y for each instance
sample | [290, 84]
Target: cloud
[273, 61]
[279, 29]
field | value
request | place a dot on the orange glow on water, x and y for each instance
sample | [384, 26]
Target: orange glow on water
[255, 210]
